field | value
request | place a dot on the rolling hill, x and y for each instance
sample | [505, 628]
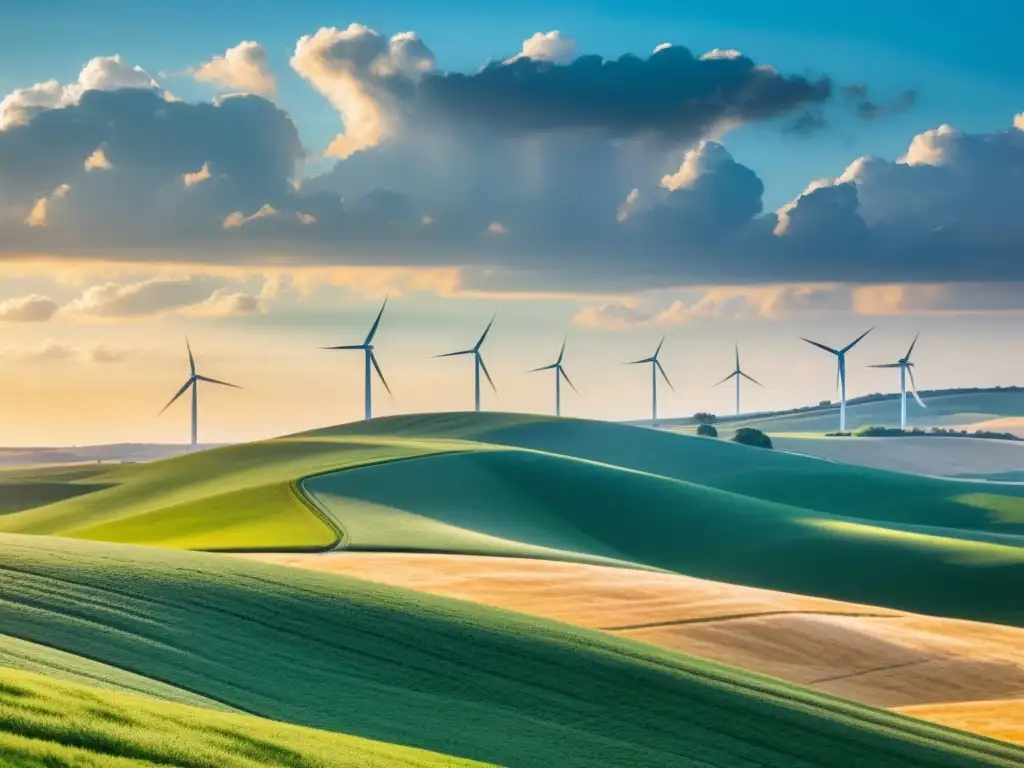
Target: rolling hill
[565, 489]
[407, 669]
[45, 723]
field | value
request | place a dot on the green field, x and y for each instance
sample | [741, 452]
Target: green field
[942, 411]
[506, 484]
[47, 724]
[407, 669]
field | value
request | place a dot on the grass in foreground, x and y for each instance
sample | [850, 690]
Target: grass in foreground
[46, 723]
[451, 677]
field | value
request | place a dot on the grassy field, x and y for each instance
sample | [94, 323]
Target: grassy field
[942, 411]
[566, 489]
[451, 677]
[860, 652]
[47, 724]
[238, 497]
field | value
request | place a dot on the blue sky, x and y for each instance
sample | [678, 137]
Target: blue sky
[964, 67]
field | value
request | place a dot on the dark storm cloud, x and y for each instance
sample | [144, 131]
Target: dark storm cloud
[671, 94]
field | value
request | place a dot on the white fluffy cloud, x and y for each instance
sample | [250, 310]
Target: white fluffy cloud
[547, 46]
[206, 295]
[38, 216]
[243, 68]
[103, 73]
[355, 69]
[28, 309]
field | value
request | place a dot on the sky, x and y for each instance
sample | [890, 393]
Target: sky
[261, 177]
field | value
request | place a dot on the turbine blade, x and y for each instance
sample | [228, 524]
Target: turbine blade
[486, 373]
[476, 347]
[886, 365]
[373, 328]
[561, 352]
[215, 381]
[543, 368]
[664, 375]
[751, 378]
[737, 357]
[191, 360]
[913, 388]
[853, 343]
[568, 381]
[452, 354]
[637, 362]
[347, 346]
[376, 366]
[911, 347]
[821, 346]
[734, 373]
[179, 393]
[658, 350]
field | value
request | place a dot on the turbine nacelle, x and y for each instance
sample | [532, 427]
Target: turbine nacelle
[367, 348]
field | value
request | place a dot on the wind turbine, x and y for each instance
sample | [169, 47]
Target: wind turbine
[559, 375]
[370, 361]
[655, 368]
[905, 366]
[841, 371]
[478, 364]
[193, 382]
[738, 374]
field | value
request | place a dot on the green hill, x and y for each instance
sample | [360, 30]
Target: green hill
[569, 489]
[46, 724]
[407, 669]
[943, 410]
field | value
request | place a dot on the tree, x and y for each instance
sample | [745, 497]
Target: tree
[705, 418]
[706, 430]
[754, 437]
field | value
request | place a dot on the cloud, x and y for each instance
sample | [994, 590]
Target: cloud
[145, 298]
[243, 68]
[547, 46]
[38, 215]
[48, 350]
[103, 73]
[365, 76]
[632, 313]
[97, 161]
[606, 173]
[28, 309]
[497, 228]
[867, 109]
[227, 303]
[103, 353]
[936, 299]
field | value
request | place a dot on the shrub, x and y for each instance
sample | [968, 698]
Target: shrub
[754, 437]
[706, 430]
[705, 418]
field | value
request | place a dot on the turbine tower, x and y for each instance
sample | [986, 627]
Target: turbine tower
[738, 374]
[559, 375]
[655, 368]
[370, 361]
[905, 367]
[193, 382]
[478, 364]
[841, 371]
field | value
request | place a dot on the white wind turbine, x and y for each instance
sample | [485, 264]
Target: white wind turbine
[559, 375]
[738, 373]
[193, 382]
[841, 371]
[478, 364]
[655, 369]
[905, 367]
[370, 361]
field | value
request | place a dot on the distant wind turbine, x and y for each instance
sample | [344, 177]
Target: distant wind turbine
[905, 366]
[655, 369]
[559, 375]
[193, 382]
[478, 364]
[370, 360]
[738, 374]
[841, 371]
